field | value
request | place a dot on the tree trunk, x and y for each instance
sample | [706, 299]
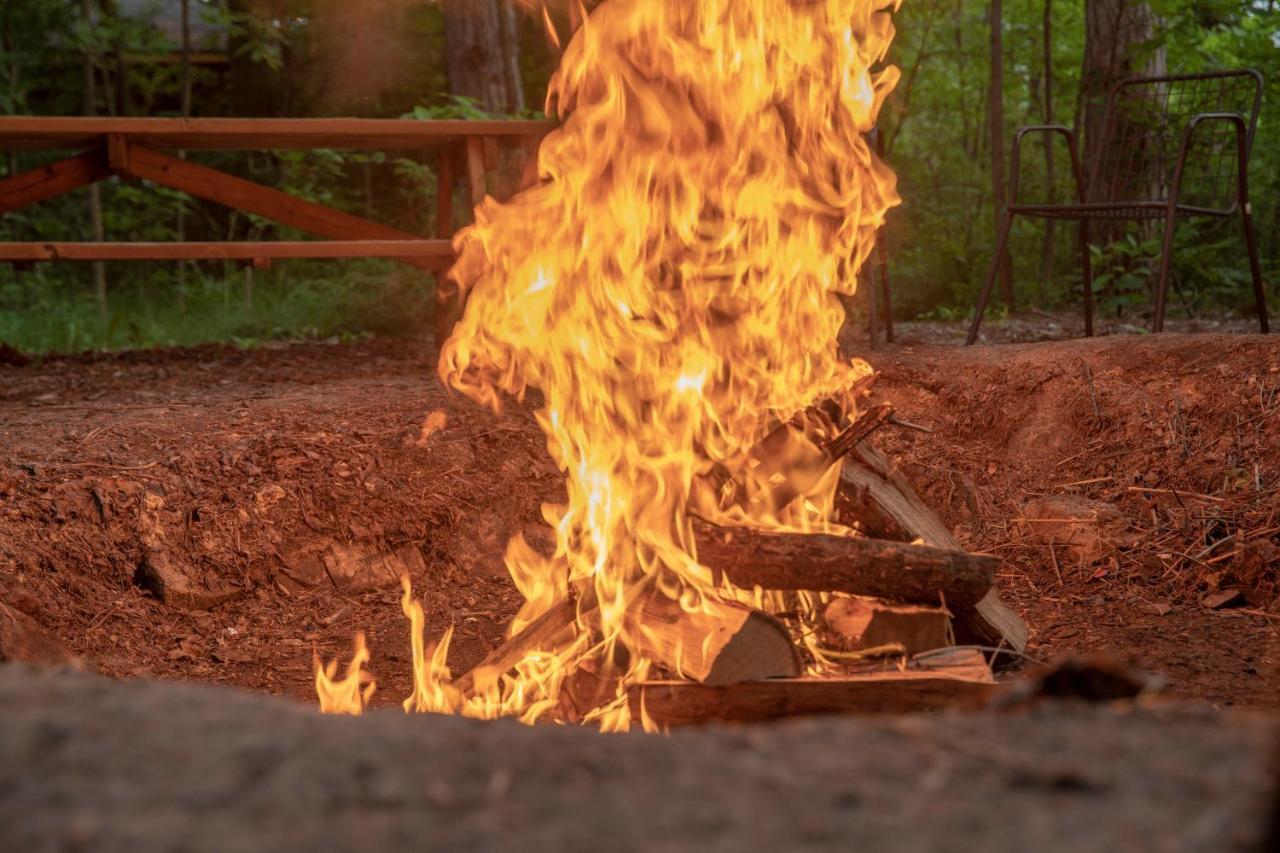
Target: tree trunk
[1046, 256]
[1117, 33]
[482, 53]
[511, 55]
[995, 113]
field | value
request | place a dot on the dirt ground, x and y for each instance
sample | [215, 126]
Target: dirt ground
[92, 764]
[287, 486]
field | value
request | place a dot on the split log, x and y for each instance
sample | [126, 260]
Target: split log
[897, 571]
[720, 643]
[551, 630]
[990, 621]
[862, 623]
[964, 682]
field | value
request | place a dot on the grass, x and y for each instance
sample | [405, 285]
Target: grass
[53, 310]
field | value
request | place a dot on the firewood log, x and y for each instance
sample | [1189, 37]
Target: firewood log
[990, 621]
[964, 682]
[897, 571]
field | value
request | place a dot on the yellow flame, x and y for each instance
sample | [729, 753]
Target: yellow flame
[351, 693]
[670, 285]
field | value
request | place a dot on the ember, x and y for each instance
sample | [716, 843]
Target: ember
[670, 286]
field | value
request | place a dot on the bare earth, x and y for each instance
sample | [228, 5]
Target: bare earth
[262, 476]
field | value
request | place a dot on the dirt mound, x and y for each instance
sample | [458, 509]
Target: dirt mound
[217, 515]
[1130, 485]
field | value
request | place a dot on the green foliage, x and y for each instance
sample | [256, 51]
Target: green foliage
[942, 237]
[39, 313]
[935, 127]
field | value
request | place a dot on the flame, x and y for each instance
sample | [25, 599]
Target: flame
[351, 693]
[670, 285]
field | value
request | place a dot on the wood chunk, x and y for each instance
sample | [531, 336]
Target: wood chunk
[863, 623]
[169, 583]
[961, 684]
[1087, 529]
[897, 571]
[990, 621]
[720, 643]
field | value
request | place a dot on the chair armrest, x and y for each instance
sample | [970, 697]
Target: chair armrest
[1059, 129]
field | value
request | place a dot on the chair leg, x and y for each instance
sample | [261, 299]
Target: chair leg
[1166, 264]
[886, 301]
[1086, 273]
[873, 310]
[1255, 267]
[992, 272]
[1166, 261]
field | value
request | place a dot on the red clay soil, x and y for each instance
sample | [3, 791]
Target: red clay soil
[276, 483]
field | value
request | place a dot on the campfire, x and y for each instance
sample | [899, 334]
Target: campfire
[669, 288]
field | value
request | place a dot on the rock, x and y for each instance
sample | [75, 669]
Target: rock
[359, 566]
[22, 640]
[1087, 529]
[1223, 598]
[159, 574]
[351, 566]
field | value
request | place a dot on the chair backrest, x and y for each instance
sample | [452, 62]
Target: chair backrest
[1142, 135]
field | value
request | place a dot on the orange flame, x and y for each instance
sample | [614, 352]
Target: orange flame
[351, 693]
[670, 286]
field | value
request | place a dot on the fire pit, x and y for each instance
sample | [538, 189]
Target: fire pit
[670, 287]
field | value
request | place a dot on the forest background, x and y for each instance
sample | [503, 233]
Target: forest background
[966, 87]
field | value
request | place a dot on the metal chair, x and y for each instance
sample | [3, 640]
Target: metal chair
[1169, 147]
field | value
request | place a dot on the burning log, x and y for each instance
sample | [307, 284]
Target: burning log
[551, 630]
[961, 679]
[989, 621]
[717, 643]
[897, 571]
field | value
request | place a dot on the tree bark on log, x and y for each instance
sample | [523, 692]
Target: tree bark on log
[990, 621]
[897, 571]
